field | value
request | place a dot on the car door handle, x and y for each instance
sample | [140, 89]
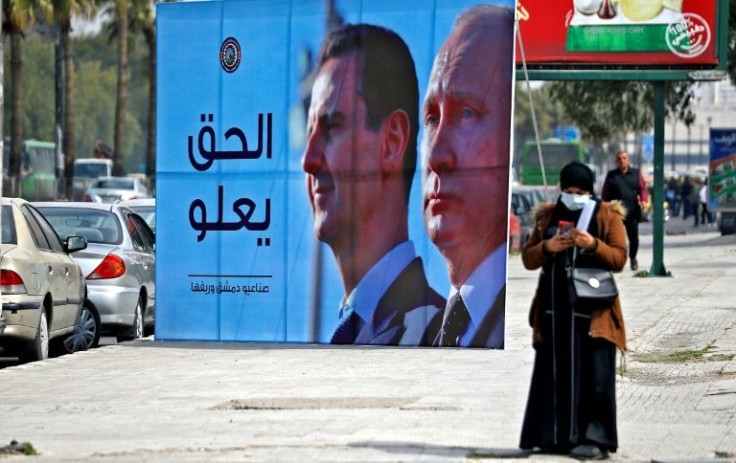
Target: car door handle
[51, 269]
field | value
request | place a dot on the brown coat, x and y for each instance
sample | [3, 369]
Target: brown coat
[607, 323]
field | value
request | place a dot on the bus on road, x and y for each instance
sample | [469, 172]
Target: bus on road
[556, 154]
[38, 165]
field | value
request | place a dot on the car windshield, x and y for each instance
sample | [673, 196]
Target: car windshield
[114, 183]
[97, 226]
[148, 213]
[90, 170]
[8, 236]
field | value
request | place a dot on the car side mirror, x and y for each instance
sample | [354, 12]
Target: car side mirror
[75, 243]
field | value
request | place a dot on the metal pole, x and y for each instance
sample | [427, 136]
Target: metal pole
[315, 303]
[658, 268]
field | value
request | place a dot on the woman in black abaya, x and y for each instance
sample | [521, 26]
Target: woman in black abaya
[572, 402]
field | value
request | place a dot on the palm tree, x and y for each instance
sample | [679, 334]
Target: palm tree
[17, 14]
[121, 99]
[61, 12]
[143, 19]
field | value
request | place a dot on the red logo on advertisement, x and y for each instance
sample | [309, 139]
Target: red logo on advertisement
[690, 37]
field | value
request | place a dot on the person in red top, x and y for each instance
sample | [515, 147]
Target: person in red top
[627, 185]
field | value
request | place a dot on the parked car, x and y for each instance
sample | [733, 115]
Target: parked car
[86, 170]
[535, 194]
[87, 330]
[514, 233]
[42, 286]
[111, 189]
[145, 207]
[119, 263]
[522, 209]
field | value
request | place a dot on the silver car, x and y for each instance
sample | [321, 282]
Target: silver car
[119, 263]
[145, 207]
[42, 286]
[111, 189]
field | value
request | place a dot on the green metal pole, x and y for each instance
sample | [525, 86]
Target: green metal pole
[658, 269]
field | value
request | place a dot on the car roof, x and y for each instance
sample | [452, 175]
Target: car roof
[137, 202]
[76, 204]
[17, 201]
[112, 177]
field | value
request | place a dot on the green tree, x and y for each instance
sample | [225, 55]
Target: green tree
[121, 95]
[143, 20]
[97, 49]
[17, 14]
[61, 12]
[37, 91]
[606, 110]
[548, 111]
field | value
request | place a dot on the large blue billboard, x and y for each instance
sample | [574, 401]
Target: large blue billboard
[333, 172]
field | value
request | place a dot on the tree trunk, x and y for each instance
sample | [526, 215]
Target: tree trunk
[16, 128]
[122, 87]
[150, 34]
[68, 143]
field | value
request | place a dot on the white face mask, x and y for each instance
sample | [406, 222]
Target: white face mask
[574, 202]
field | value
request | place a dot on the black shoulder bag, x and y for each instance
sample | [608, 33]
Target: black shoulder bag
[589, 288]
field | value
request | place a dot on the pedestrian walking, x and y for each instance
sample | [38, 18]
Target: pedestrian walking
[626, 184]
[694, 199]
[572, 401]
[685, 190]
[703, 198]
[671, 194]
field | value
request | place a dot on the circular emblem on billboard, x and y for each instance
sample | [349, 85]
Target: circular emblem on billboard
[690, 37]
[230, 54]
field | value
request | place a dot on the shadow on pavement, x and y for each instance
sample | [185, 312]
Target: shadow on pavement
[473, 453]
[151, 342]
[707, 240]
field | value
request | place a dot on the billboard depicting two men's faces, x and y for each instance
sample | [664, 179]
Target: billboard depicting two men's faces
[334, 172]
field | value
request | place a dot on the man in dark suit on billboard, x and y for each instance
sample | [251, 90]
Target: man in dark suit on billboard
[360, 158]
[465, 171]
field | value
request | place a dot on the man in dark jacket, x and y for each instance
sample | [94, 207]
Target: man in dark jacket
[627, 185]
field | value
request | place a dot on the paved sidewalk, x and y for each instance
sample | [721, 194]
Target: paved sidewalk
[184, 402]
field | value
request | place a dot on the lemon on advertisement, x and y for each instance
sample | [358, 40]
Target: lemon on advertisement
[636, 26]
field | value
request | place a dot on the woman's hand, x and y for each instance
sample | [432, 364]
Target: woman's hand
[558, 243]
[583, 239]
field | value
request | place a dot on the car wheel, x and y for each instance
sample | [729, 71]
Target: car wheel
[86, 334]
[38, 349]
[135, 331]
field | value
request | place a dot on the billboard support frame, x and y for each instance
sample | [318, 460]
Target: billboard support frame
[658, 77]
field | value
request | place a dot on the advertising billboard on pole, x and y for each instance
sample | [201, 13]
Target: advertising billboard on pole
[722, 177]
[632, 39]
[324, 173]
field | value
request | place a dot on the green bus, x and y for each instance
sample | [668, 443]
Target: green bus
[38, 164]
[556, 154]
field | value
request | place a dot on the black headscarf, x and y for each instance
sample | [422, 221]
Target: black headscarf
[577, 174]
[574, 174]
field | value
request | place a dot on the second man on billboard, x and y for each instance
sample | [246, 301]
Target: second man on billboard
[465, 172]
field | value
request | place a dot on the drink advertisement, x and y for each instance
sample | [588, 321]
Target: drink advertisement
[334, 172]
[722, 178]
[635, 32]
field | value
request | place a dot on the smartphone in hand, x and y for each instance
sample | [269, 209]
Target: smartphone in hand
[564, 227]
